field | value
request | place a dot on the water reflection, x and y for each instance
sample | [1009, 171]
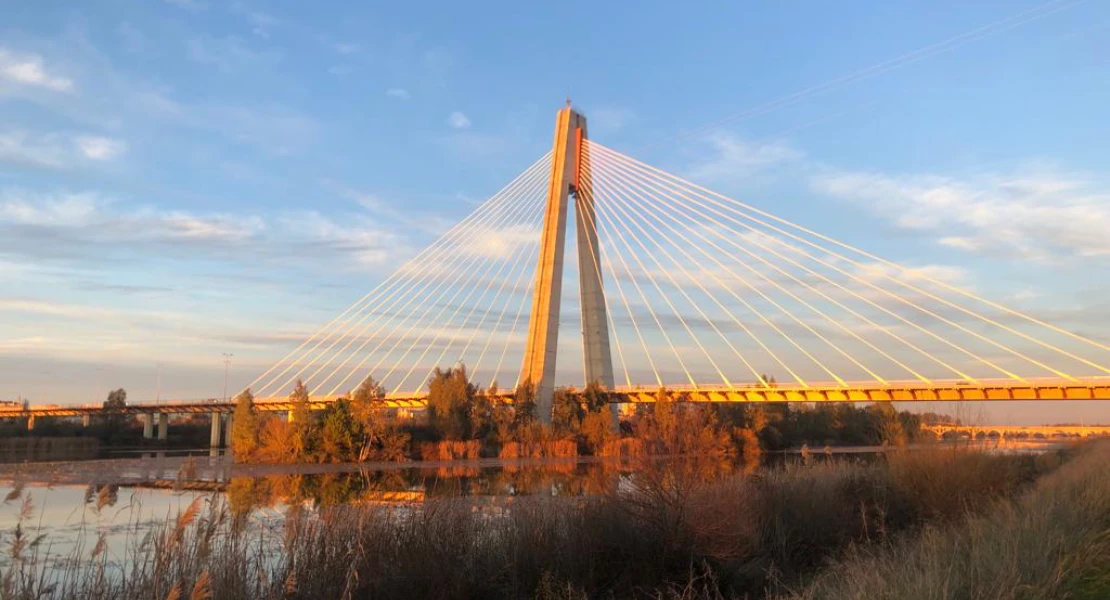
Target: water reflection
[489, 485]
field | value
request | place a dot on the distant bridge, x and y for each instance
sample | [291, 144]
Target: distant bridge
[1009, 431]
[157, 412]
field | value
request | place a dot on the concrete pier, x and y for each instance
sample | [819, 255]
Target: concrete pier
[148, 426]
[163, 426]
[216, 436]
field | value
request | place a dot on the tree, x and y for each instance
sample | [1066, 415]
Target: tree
[366, 400]
[886, 424]
[113, 411]
[340, 433]
[450, 399]
[244, 427]
[117, 400]
[566, 412]
[524, 405]
[594, 397]
[302, 424]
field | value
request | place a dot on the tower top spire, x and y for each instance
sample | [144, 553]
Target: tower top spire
[568, 100]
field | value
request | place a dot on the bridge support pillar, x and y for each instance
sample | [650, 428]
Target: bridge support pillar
[569, 174]
[216, 435]
[227, 430]
[148, 426]
[163, 426]
[31, 423]
[85, 420]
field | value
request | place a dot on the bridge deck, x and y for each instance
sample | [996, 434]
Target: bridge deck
[1085, 389]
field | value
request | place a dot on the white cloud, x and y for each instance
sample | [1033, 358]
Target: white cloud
[1028, 216]
[99, 217]
[225, 228]
[193, 5]
[65, 210]
[397, 93]
[369, 246]
[732, 158]
[458, 120]
[28, 69]
[22, 148]
[99, 148]
[56, 150]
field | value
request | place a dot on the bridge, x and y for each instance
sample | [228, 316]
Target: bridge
[679, 288]
[1010, 431]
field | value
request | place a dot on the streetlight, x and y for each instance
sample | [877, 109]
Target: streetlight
[227, 367]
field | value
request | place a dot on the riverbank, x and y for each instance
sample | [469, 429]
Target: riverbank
[664, 532]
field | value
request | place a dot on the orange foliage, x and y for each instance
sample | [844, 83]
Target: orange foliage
[451, 450]
[541, 449]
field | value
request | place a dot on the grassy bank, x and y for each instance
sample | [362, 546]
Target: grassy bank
[1053, 542]
[666, 533]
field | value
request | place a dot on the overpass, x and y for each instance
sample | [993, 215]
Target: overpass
[157, 413]
[1005, 431]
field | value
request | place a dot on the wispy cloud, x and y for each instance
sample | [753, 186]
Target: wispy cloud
[607, 120]
[57, 150]
[65, 210]
[190, 5]
[1036, 217]
[730, 158]
[98, 147]
[229, 54]
[30, 70]
[261, 22]
[399, 93]
[346, 47]
[458, 120]
[89, 228]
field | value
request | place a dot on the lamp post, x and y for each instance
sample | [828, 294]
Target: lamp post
[227, 367]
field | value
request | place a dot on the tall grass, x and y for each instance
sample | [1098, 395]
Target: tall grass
[1053, 542]
[668, 531]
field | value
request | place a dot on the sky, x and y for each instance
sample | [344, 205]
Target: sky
[185, 179]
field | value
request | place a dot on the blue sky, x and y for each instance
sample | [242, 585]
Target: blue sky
[184, 178]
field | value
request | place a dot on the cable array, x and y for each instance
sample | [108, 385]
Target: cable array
[701, 291]
[729, 295]
[459, 301]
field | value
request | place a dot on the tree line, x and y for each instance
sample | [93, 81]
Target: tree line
[465, 421]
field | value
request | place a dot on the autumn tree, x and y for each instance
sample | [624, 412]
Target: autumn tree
[366, 400]
[302, 425]
[340, 433]
[450, 398]
[566, 412]
[244, 427]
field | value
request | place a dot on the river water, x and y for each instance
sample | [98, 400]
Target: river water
[76, 504]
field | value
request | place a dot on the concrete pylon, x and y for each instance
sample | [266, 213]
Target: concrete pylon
[538, 370]
[163, 426]
[148, 425]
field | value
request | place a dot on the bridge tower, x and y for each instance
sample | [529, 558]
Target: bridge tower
[570, 176]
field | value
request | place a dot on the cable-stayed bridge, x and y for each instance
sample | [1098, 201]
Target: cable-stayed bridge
[678, 287]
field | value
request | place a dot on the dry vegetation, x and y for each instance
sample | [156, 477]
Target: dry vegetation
[943, 523]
